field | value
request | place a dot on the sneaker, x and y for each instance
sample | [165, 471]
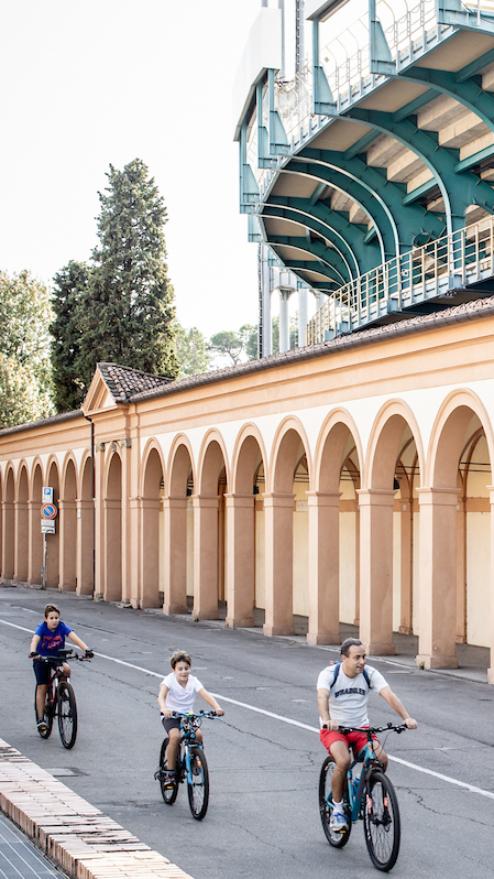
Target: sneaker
[41, 726]
[170, 779]
[338, 822]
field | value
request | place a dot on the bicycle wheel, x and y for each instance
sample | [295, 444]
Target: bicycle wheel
[336, 838]
[67, 714]
[47, 716]
[198, 790]
[381, 821]
[169, 794]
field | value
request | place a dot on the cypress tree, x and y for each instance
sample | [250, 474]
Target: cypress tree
[129, 315]
[70, 295]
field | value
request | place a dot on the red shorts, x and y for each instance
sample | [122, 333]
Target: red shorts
[354, 740]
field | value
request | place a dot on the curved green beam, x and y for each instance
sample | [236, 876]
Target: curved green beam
[328, 255]
[307, 265]
[348, 237]
[458, 191]
[362, 194]
[351, 267]
[409, 220]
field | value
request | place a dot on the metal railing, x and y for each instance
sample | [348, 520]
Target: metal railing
[460, 259]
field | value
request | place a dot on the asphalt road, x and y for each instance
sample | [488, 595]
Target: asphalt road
[263, 818]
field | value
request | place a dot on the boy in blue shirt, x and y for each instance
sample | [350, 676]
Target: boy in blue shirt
[48, 640]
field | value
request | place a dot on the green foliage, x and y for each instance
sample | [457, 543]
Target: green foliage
[191, 350]
[25, 368]
[70, 294]
[227, 343]
[124, 312]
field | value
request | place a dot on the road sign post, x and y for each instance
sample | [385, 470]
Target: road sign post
[49, 512]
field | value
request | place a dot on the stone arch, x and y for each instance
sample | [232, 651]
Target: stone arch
[393, 463]
[85, 529]
[453, 550]
[21, 524]
[68, 526]
[209, 527]
[245, 529]
[112, 502]
[151, 555]
[8, 524]
[334, 529]
[286, 527]
[53, 540]
[35, 536]
[179, 559]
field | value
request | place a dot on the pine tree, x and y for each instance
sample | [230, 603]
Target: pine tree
[129, 315]
[70, 299]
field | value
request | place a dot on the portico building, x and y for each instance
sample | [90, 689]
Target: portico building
[346, 483]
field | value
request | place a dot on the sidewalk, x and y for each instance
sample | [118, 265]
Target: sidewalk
[74, 835]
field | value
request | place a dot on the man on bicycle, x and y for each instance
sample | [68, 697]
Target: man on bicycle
[48, 640]
[342, 696]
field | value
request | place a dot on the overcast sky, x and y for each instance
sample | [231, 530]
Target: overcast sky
[89, 82]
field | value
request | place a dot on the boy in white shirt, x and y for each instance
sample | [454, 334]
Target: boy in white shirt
[177, 693]
[342, 696]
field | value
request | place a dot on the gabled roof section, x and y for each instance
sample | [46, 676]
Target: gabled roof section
[114, 385]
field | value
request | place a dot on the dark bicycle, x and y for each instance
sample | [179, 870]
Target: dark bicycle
[191, 765]
[369, 796]
[60, 698]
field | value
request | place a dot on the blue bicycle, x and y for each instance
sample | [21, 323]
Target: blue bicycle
[369, 796]
[191, 765]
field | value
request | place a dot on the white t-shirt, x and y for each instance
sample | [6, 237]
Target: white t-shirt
[181, 698]
[348, 697]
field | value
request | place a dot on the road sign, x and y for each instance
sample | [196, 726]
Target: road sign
[47, 494]
[49, 511]
[48, 526]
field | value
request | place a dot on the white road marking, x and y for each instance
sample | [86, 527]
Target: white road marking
[472, 788]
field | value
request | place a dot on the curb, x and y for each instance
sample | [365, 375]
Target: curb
[75, 835]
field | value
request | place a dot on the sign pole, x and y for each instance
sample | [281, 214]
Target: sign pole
[43, 568]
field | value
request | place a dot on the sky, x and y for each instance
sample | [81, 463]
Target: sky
[86, 83]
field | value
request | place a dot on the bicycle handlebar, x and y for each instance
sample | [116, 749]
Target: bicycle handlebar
[191, 716]
[390, 727]
[61, 656]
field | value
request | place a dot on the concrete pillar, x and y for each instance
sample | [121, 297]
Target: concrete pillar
[376, 570]
[267, 320]
[240, 560]
[8, 531]
[438, 578]
[302, 317]
[175, 554]
[85, 541]
[205, 558]
[284, 327]
[406, 573]
[150, 558]
[21, 541]
[130, 529]
[356, 619]
[324, 568]
[67, 519]
[35, 543]
[461, 583]
[278, 519]
[100, 528]
[490, 671]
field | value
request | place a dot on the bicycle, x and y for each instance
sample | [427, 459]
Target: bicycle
[370, 797]
[60, 698]
[191, 765]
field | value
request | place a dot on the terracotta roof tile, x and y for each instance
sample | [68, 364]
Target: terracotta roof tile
[124, 382]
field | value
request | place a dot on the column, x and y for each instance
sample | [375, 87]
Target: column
[7, 540]
[490, 671]
[35, 543]
[267, 322]
[406, 580]
[438, 577]
[85, 547]
[205, 558]
[278, 518]
[113, 549]
[67, 521]
[461, 586]
[302, 317]
[175, 551]
[284, 328]
[240, 560]
[150, 559]
[324, 568]
[21, 541]
[376, 570]
[100, 534]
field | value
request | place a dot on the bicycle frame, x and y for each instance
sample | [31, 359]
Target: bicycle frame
[368, 759]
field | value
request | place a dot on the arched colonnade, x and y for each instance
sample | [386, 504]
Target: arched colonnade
[289, 528]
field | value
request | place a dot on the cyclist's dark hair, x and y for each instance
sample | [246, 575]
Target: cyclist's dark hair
[350, 642]
[180, 656]
[51, 608]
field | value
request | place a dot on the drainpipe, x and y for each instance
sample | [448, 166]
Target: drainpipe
[93, 492]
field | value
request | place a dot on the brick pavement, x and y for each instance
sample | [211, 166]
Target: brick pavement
[75, 835]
